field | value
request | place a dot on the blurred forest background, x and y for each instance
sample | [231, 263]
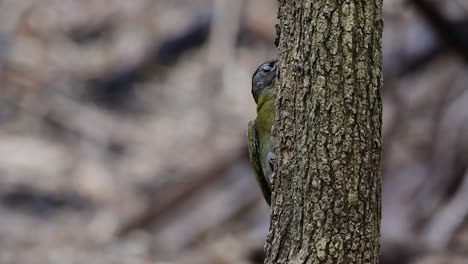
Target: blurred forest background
[123, 131]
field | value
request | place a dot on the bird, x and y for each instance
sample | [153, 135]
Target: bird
[260, 139]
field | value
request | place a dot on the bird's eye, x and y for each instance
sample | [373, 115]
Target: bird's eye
[267, 68]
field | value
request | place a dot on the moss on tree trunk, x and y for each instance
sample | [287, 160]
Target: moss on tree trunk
[327, 202]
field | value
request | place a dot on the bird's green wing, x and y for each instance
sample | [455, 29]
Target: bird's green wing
[255, 161]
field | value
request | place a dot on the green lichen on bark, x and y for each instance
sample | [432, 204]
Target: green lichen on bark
[326, 201]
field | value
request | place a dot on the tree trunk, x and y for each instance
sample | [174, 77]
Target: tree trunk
[326, 191]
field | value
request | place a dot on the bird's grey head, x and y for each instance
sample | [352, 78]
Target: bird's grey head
[263, 77]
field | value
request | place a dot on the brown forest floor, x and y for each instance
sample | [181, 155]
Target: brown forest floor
[122, 142]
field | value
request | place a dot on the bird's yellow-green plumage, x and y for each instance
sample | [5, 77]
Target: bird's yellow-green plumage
[261, 143]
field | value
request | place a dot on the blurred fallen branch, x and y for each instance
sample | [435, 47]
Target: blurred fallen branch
[164, 201]
[115, 89]
[41, 203]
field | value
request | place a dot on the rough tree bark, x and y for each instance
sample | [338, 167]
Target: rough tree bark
[326, 200]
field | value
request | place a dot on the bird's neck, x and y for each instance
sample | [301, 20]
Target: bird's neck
[265, 97]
